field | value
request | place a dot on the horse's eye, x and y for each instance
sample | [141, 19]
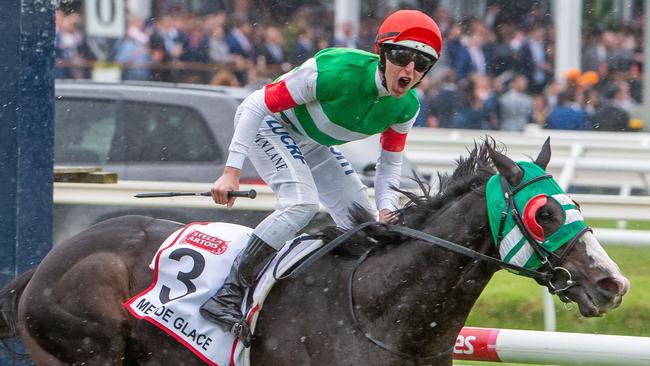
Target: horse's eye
[544, 215]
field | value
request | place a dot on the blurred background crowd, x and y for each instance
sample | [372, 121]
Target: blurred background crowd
[496, 71]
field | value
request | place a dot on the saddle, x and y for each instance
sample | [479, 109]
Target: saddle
[189, 267]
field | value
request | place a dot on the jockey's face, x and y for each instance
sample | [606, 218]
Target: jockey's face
[400, 79]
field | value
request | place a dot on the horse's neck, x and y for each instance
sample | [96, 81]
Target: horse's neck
[418, 295]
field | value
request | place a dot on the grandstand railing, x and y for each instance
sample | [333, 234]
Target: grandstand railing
[583, 158]
[122, 194]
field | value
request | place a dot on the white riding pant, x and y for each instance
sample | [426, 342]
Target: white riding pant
[301, 173]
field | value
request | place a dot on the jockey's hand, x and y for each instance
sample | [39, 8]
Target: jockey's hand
[228, 181]
[385, 216]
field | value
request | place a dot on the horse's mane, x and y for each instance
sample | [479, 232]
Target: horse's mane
[472, 173]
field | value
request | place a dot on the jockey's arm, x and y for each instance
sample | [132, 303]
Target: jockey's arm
[389, 167]
[247, 121]
[293, 88]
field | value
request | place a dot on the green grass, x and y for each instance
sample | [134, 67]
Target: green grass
[511, 301]
[613, 224]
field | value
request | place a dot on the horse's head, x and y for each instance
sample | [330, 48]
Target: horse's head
[535, 225]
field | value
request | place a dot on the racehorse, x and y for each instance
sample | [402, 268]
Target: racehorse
[403, 303]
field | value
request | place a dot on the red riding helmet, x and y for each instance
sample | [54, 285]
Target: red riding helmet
[411, 29]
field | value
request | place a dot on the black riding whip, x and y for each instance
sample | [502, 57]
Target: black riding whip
[249, 194]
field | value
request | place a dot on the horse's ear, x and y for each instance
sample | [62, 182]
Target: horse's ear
[504, 165]
[544, 155]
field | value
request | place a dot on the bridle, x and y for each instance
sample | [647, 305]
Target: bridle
[550, 276]
[555, 277]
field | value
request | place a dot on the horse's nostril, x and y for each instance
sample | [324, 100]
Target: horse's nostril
[613, 286]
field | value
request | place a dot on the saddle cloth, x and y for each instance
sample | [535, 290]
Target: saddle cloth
[190, 266]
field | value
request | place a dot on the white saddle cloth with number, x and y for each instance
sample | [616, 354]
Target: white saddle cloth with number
[190, 266]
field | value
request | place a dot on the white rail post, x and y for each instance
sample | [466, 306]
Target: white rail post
[625, 191]
[346, 11]
[646, 75]
[568, 21]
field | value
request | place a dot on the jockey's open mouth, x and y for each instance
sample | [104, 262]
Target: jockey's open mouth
[404, 81]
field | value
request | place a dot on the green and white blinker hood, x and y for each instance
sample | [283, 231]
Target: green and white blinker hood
[514, 248]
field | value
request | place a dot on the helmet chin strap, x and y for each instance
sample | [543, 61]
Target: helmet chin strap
[382, 67]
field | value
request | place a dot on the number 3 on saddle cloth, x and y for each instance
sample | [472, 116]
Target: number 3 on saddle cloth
[190, 266]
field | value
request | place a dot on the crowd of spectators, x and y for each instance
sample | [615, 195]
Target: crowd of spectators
[495, 72]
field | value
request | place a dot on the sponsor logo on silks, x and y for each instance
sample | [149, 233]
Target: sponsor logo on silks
[343, 162]
[210, 243]
[271, 153]
[286, 139]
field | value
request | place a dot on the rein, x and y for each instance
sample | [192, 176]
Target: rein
[433, 240]
[430, 239]
[557, 279]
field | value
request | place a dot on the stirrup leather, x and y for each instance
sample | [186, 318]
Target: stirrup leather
[224, 307]
[241, 331]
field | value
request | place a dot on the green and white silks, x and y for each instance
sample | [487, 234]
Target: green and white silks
[342, 98]
[514, 248]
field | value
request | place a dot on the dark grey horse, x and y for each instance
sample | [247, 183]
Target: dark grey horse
[411, 297]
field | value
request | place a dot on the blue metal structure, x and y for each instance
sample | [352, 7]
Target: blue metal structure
[26, 138]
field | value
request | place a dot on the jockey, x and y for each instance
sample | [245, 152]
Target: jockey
[288, 129]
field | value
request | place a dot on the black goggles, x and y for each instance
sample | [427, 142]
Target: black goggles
[401, 56]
